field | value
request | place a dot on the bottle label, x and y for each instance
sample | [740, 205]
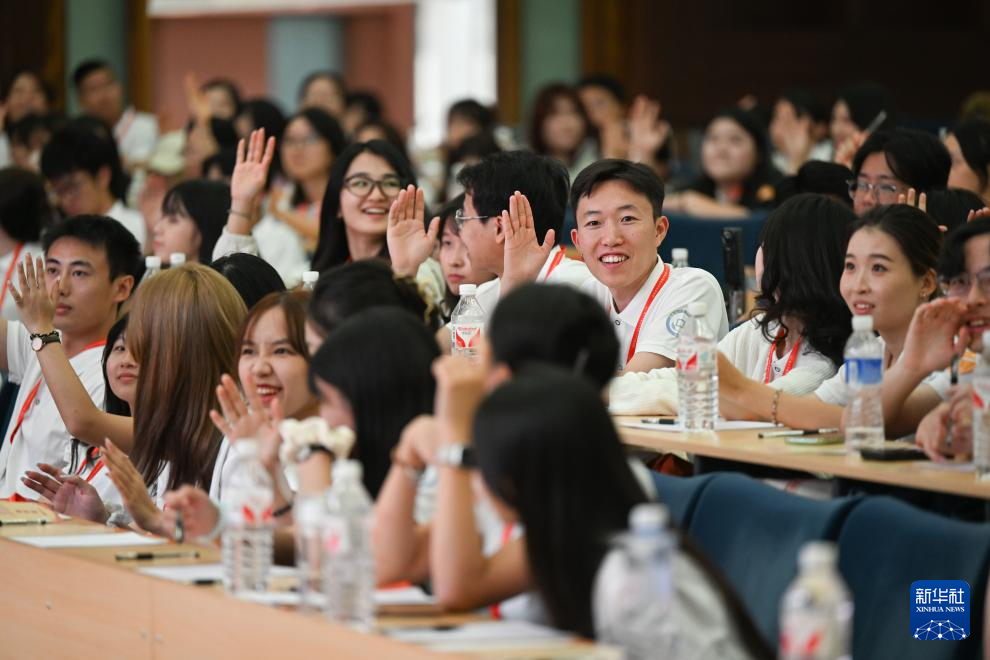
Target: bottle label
[696, 361]
[864, 371]
[465, 336]
[981, 394]
[335, 537]
[256, 515]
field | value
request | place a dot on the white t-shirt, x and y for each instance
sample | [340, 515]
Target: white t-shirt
[132, 220]
[557, 269]
[747, 348]
[42, 436]
[136, 134]
[835, 391]
[666, 315]
[8, 308]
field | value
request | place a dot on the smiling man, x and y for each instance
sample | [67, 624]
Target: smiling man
[94, 260]
[619, 228]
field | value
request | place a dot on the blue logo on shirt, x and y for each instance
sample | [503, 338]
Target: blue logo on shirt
[676, 320]
[940, 610]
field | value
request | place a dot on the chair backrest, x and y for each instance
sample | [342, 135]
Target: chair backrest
[703, 239]
[753, 533]
[884, 546]
[680, 495]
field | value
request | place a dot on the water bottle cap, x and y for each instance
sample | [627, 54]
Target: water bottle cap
[817, 553]
[648, 517]
[177, 258]
[310, 277]
[246, 447]
[468, 289]
[863, 323]
[347, 469]
[697, 308]
[152, 262]
[679, 254]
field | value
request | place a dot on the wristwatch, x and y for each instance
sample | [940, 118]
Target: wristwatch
[456, 455]
[306, 451]
[40, 340]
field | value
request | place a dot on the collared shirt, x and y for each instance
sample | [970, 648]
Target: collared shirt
[566, 271]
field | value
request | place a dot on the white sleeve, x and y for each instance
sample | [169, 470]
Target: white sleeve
[229, 243]
[834, 389]
[19, 351]
[806, 378]
[732, 345]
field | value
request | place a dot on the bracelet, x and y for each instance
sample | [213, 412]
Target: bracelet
[282, 510]
[249, 216]
[773, 406]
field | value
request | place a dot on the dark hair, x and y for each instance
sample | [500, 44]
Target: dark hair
[865, 102]
[253, 277]
[112, 403]
[974, 141]
[543, 108]
[757, 188]
[952, 260]
[43, 85]
[313, 76]
[20, 131]
[391, 133]
[222, 130]
[266, 114]
[609, 83]
[557, 325]
[98, 231]
[817, 176]
[24, 207]
[226, 160]
[542, 179]
[637, 176]
[206, 203]
[951, 207]
[804, 246]
[87, 67]
[381, 360]
[293, 304]
[477, 146]
[85, 144]
[332, 249]
[473, 111]
[916, 233]
[806, 104]
[229, 88]
[548, 448]
[328, 129]
[350, 288]
[446, 214]
[367, 101]
[918, 159]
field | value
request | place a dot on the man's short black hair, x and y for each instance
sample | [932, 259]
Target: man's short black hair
[542, 179]
[24, 207]
[99, 231]
[87, 67]
[952, 260]
[606, 82]
[917, 158]
[82, 145]
[637, 176]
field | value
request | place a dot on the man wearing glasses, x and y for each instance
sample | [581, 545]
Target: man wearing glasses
[890, 162]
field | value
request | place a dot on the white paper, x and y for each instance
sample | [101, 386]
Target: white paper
[948, 466]
[720, 425]
[89, 540]
[202, 572]
[489, 634]
[405, 596]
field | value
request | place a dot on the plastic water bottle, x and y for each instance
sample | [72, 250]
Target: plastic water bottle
[309, 280]
[348, 562]
[152, 266]
[248, 529]
[679, 258]
[864, 372]
[981, 412]
[697, 371]
[467, 323]
[309, 513]
[816, 610]
[176, 259]
[633, 599]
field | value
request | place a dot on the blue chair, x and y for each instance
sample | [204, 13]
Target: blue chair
[753, 533]
[884, 546]
[680, 495]
[703, 239]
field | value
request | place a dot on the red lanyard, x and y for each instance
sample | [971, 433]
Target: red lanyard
[496, 610]
[34, 392]
[773, 351]
[10, 272]
[556, 262]
[92, 473]
[646, 308]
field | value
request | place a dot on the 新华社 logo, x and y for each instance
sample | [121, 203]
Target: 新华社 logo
[940, 610]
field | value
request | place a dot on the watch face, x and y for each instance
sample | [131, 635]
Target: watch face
[36, 343]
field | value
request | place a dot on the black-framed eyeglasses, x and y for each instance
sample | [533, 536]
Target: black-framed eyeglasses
[362, 185]
[460, 218]
[885, 192]
[960, 285]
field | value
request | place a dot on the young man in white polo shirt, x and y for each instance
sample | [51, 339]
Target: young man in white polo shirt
[93, 261]
[619, 228]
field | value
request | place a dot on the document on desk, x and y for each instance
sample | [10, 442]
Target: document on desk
[948, 466]
[89, 540]
[720, 425]
[482, 635]
[403, 596]
[205, 573]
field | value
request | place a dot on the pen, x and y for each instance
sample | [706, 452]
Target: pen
[658, 420]
[24, 521]
[791, 433]
[122, 556]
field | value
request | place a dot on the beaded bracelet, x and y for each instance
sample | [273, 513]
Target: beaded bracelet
[773, 406]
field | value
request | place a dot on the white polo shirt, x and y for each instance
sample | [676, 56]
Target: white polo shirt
[132, 220]
[42, 436]
[136, 134]
[663, 320]
[558, 269]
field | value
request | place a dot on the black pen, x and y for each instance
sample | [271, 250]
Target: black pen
[142, 556]
[24, 521]
[658, 420]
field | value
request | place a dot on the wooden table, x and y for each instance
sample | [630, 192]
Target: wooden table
[747, 447]
[83, 603]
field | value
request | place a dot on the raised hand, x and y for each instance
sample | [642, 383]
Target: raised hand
[196, 101]
[845, 152]
[935, 336]
[647, 132]
[912, 198]
[982, 213]
[523, 255]
[247, 183]
[250, 420]
[410, 241]
[35, 302]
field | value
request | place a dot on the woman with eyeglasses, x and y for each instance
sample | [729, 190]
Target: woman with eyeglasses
[892, 161]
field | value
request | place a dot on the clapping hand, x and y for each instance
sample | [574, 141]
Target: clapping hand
[647, 132]
[410, 241]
